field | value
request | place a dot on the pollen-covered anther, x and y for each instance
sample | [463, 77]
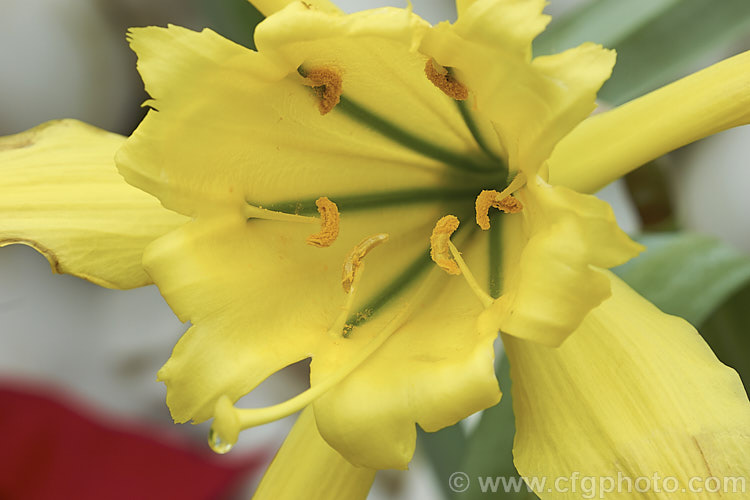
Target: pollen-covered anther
[491, 198]
[352, 273]
[439, 249]
[354, 261]
[329, 224]
[443, 79]
[328, 84]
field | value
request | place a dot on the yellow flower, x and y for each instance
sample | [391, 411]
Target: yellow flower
[383, 125]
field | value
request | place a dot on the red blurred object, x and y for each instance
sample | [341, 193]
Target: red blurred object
[48, 450]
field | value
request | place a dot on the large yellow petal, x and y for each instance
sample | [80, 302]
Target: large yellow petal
[307, 467]
[435, 370]
[633, 391]
[235, 126]
[61, 194]
[532, 103]
[553, 256]
[609, 145]
[259, 299]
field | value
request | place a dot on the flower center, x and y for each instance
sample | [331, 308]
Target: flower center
[445, 254]
[467, 174]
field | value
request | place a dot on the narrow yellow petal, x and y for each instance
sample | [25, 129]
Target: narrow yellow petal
[268, 7]
[260, 298]
[609, 145]
[633, 392]
[60, 193]
[307, 467]
[435, 370]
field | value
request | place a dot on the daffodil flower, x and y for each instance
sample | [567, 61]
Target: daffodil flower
[384, 196]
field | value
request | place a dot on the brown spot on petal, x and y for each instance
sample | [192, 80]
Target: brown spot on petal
[18, 141]
[48, 254]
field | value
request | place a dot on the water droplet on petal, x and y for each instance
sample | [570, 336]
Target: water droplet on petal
[216, 443]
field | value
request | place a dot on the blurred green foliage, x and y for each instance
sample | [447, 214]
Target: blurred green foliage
[234, 19]
[657, 41]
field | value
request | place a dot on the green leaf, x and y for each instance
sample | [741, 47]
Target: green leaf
[445, 450]
[673, 44]
[657, 41]
[607, 22]
[685, 274]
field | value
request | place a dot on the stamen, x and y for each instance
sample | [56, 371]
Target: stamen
[354, 261]
[329, 220]
[443, 79]
[487, 199]
[253, 212]
[439, 240]
[329, 224]
[352, 273]
[328, 84]
[483, 296]
[502, 201]
[446, 255]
